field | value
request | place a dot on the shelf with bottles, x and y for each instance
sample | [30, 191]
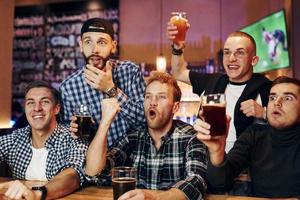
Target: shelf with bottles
[63, 28]
[207, 66]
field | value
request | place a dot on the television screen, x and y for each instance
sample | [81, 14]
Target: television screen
[271, 42]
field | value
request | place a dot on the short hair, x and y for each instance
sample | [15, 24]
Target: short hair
[286, 79]
[246, 35]
[40, 84]
[166, 78]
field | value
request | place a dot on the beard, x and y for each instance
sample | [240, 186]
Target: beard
[96, 61]
[159, 121]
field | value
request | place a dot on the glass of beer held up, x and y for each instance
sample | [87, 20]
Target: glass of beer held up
[214, 113]
[179, 19]
[83, 119]
[123, 180]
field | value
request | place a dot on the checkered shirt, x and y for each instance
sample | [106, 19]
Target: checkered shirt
[181, 161]
[63, 152]
[128, 78]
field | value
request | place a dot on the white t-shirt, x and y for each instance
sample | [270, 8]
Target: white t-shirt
[233, 93]
[37, 167]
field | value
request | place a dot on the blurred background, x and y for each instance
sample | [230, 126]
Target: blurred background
[40, 39]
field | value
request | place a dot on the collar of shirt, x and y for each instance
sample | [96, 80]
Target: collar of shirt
[49, 142]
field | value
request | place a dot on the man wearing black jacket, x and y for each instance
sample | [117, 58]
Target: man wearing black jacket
[246, 92]
[271, 151]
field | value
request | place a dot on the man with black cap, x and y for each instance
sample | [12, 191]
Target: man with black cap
[101, 78]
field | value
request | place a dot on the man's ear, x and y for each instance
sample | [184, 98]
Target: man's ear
[255, 60]
[176, 106]
[57, 109]
[80, 45]
[114, 47]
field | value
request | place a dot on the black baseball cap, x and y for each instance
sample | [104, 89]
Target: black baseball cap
[97, 25]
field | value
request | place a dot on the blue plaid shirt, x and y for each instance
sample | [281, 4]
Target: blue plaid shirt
[128, 78]
[181, 161]
[63, 152]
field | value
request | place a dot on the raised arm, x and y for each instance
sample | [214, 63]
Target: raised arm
[131, 95]
[221, 169]
[179, 66]
[215, 145]
[96, 154]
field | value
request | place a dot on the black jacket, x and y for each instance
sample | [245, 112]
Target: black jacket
[217, 83]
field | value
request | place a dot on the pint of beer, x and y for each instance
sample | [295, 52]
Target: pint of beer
[83, 120]
[214, 113]
[123, 180]
[179, 19]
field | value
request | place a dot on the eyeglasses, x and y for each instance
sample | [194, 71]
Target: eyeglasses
[237, 54]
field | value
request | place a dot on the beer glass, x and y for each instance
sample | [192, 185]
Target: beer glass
[83, 119]
[214, 112]
[179, 19]
[123, 180]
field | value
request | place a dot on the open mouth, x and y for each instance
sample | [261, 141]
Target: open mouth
[96, 61]
[276, 113]
[152, 113]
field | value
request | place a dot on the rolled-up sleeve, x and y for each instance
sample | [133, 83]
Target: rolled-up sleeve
[131, 100]
[116, 156]
[77, 156]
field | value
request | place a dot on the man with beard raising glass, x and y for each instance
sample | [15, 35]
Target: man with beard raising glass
[101, 78]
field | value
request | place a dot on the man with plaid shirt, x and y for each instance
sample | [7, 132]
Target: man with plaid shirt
[103, 78]
[167, 155]
[44, 150]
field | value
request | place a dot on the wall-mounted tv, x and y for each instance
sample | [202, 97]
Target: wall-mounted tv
[272, 43]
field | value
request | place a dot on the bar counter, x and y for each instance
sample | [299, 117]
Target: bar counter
[106, 193]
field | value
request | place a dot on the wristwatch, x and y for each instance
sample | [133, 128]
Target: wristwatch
[43, 189]
[177, 52]
[112, 92]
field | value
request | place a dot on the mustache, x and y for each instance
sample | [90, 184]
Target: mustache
[102, 63]
[87, 58]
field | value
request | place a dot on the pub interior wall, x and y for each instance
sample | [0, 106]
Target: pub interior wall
[141, 29]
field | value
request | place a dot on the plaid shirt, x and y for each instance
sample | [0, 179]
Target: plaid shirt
[128, 78]
[181, 161]
[63, 152]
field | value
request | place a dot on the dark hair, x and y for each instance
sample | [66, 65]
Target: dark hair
[246, 35]
[39, 84]
[286, 79]
[17, 107]
[167, 79]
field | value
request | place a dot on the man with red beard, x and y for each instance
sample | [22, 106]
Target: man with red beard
[42, 151]
[246, 92]
[270, 151]
[101, 78]
[167, 155]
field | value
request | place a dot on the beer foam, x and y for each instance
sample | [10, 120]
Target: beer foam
[124, 179]
[215, 104]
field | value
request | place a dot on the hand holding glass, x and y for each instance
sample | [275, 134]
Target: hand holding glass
[214, 113]
[179, 19]
[83, 119]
